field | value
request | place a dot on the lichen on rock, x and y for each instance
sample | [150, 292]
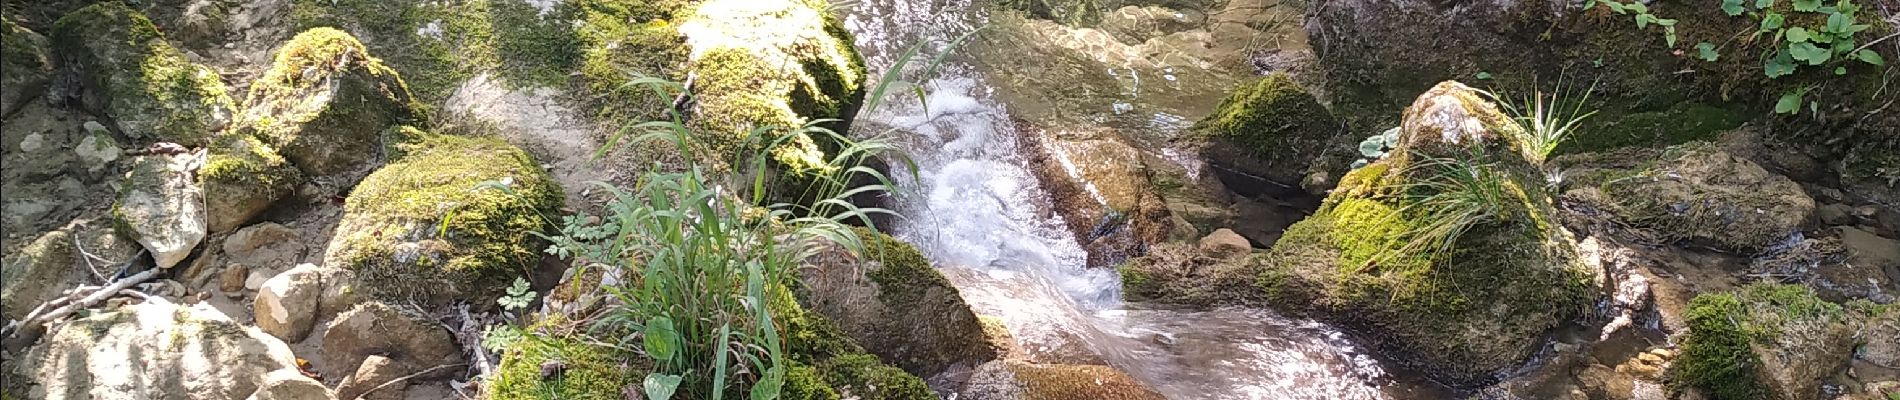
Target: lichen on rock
[242, 177]
[23, 54]
[448, 218]
[126, 70]
[161, 207]
[325, 102]
[154, 351]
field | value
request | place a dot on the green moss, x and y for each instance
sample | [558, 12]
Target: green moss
[620, 39]
[1272, 117]
[804, 382]
[1677, 125]
[440, 44]
[20, 47]
[905, 276]
[749, 75]
[428, 217]
[242, 176]
[586, 372]
[809, 337]
[1716, 355]
[149, 87]
[862, 376]
[325, 101]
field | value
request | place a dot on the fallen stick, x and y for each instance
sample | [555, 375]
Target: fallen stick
[32, 323]
[405, 378]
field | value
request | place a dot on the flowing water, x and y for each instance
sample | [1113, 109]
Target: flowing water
[975, 209]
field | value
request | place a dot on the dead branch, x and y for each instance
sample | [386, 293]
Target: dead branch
[405, 378]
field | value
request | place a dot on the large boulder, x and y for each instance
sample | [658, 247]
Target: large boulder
[1016, 380]
[1764, 341]
[242, 177]
[1269, 128]
[161, 207]
[126, 70]
[156, 351]
[893, 303]
[37, 273]
[325, 103]
[53, 168]
[1382, 257]
[1694, 192]
[286, 306]
[776, 64]
[1118, 199]
[413, 341]
[23, 55]
[448, 219]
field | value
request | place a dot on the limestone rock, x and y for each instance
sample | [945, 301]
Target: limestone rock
[231, 279]
[242, 177]
[23, 56]
[413, 341]
[291, 384]
[161, 207]
[1764, 341]
[154, 351]
[1224, 243]
[375, 371]
[892, 302]
[1016, 380]
[423, 228]
[39, 273]
[1693, 192]
[1115, 198]
[324, 104]
[49, 175]
[128, 71]
[266, 245]
[287, 304]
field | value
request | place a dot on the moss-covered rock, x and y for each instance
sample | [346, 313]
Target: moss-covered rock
[1269, 128]
[862, 376]
[1694, 192]
[778, 64]
[580, 371]
[1460, 312]
[126, 70]
[162, 208]
[1017, 380]
[896, 305]
[37, 273]
[23, 54]
[1677, 125]
[242, 177]
[429, 226]
[325, 103]
[1764, 341]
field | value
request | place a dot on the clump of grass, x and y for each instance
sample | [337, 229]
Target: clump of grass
[1547, 119]
[1455, 196]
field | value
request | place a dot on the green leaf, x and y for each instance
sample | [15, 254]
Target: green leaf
[1838, 23]
[1360, 163]
[1779, 66]
[661, 386]
[1798, 35]
[1371, 148]
[1732, 7]
[1643, 20]
[1772, 21]
[1669, 36]
[1391, 136]
[1638, 7]
[1483, 76]
[1707, 51]
[1856, 28]
[1840, 70]
[662, 341]
[1665, 22]
[1807, 5]
[768, 386]
[1870, 56]
[1619, 8]
[1789, 103]
[1764, 4]
[1814, 55]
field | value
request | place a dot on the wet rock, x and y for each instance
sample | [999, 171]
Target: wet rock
[1764, 341]
[39, 272]
[154, 351]
[325, 104]
[286, 306]
[1137, 24]
[127, 70]
[1880, 338]
[1224, 243]
[1115, 198]
[291, 384]
[375, 371]
[161, 207]
[1011, 380]
[423, 228]
[771, 63]
[266, 245]
[242, 177]
[1270, 128]
[896, 305]
[1696, 193]
[23, 54]
[413, 341]
[1835, 214]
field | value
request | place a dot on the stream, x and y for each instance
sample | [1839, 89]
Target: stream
[977, 211]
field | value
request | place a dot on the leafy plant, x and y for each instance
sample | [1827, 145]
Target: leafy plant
[1790, 46]
[1456, 196]
[1375, 147]
[518, 297]
[1546, 120]
[1643, 18]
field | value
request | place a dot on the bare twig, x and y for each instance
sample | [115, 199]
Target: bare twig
[405, 378]
[33, 323]
[89, 257]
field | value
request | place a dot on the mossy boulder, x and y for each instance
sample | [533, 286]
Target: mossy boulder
[778, 64]
[23, 54]
[127, 71]
[896, 305]
[582, 371]
[325, 103]
[1764, 341]
[449, 218]
[1269, 128]
[1460, 308]
[1695, 192]
[161, 207]
[38, 272]
[1017, 380]
[863, 376]
[242, 177]
[1118, 199]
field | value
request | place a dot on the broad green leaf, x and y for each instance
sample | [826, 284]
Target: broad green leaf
[1771, 22]
[662, 341]
[1638, 7]
[661, 386]
[1781, 65]
[1870, 56]
[1669, 36]
[1798, 35]
[1391, 136]
[1807, 5]
[1483, 76]
[1764, 4]
[1732, 7]
[768, 386]
[1707, 51]
[1814, 55]
[1840, 70]
[1643, 20]
[1619, 8]
[1856, 28]
[1837, 23]
[1371, 148]
[1789, 103]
